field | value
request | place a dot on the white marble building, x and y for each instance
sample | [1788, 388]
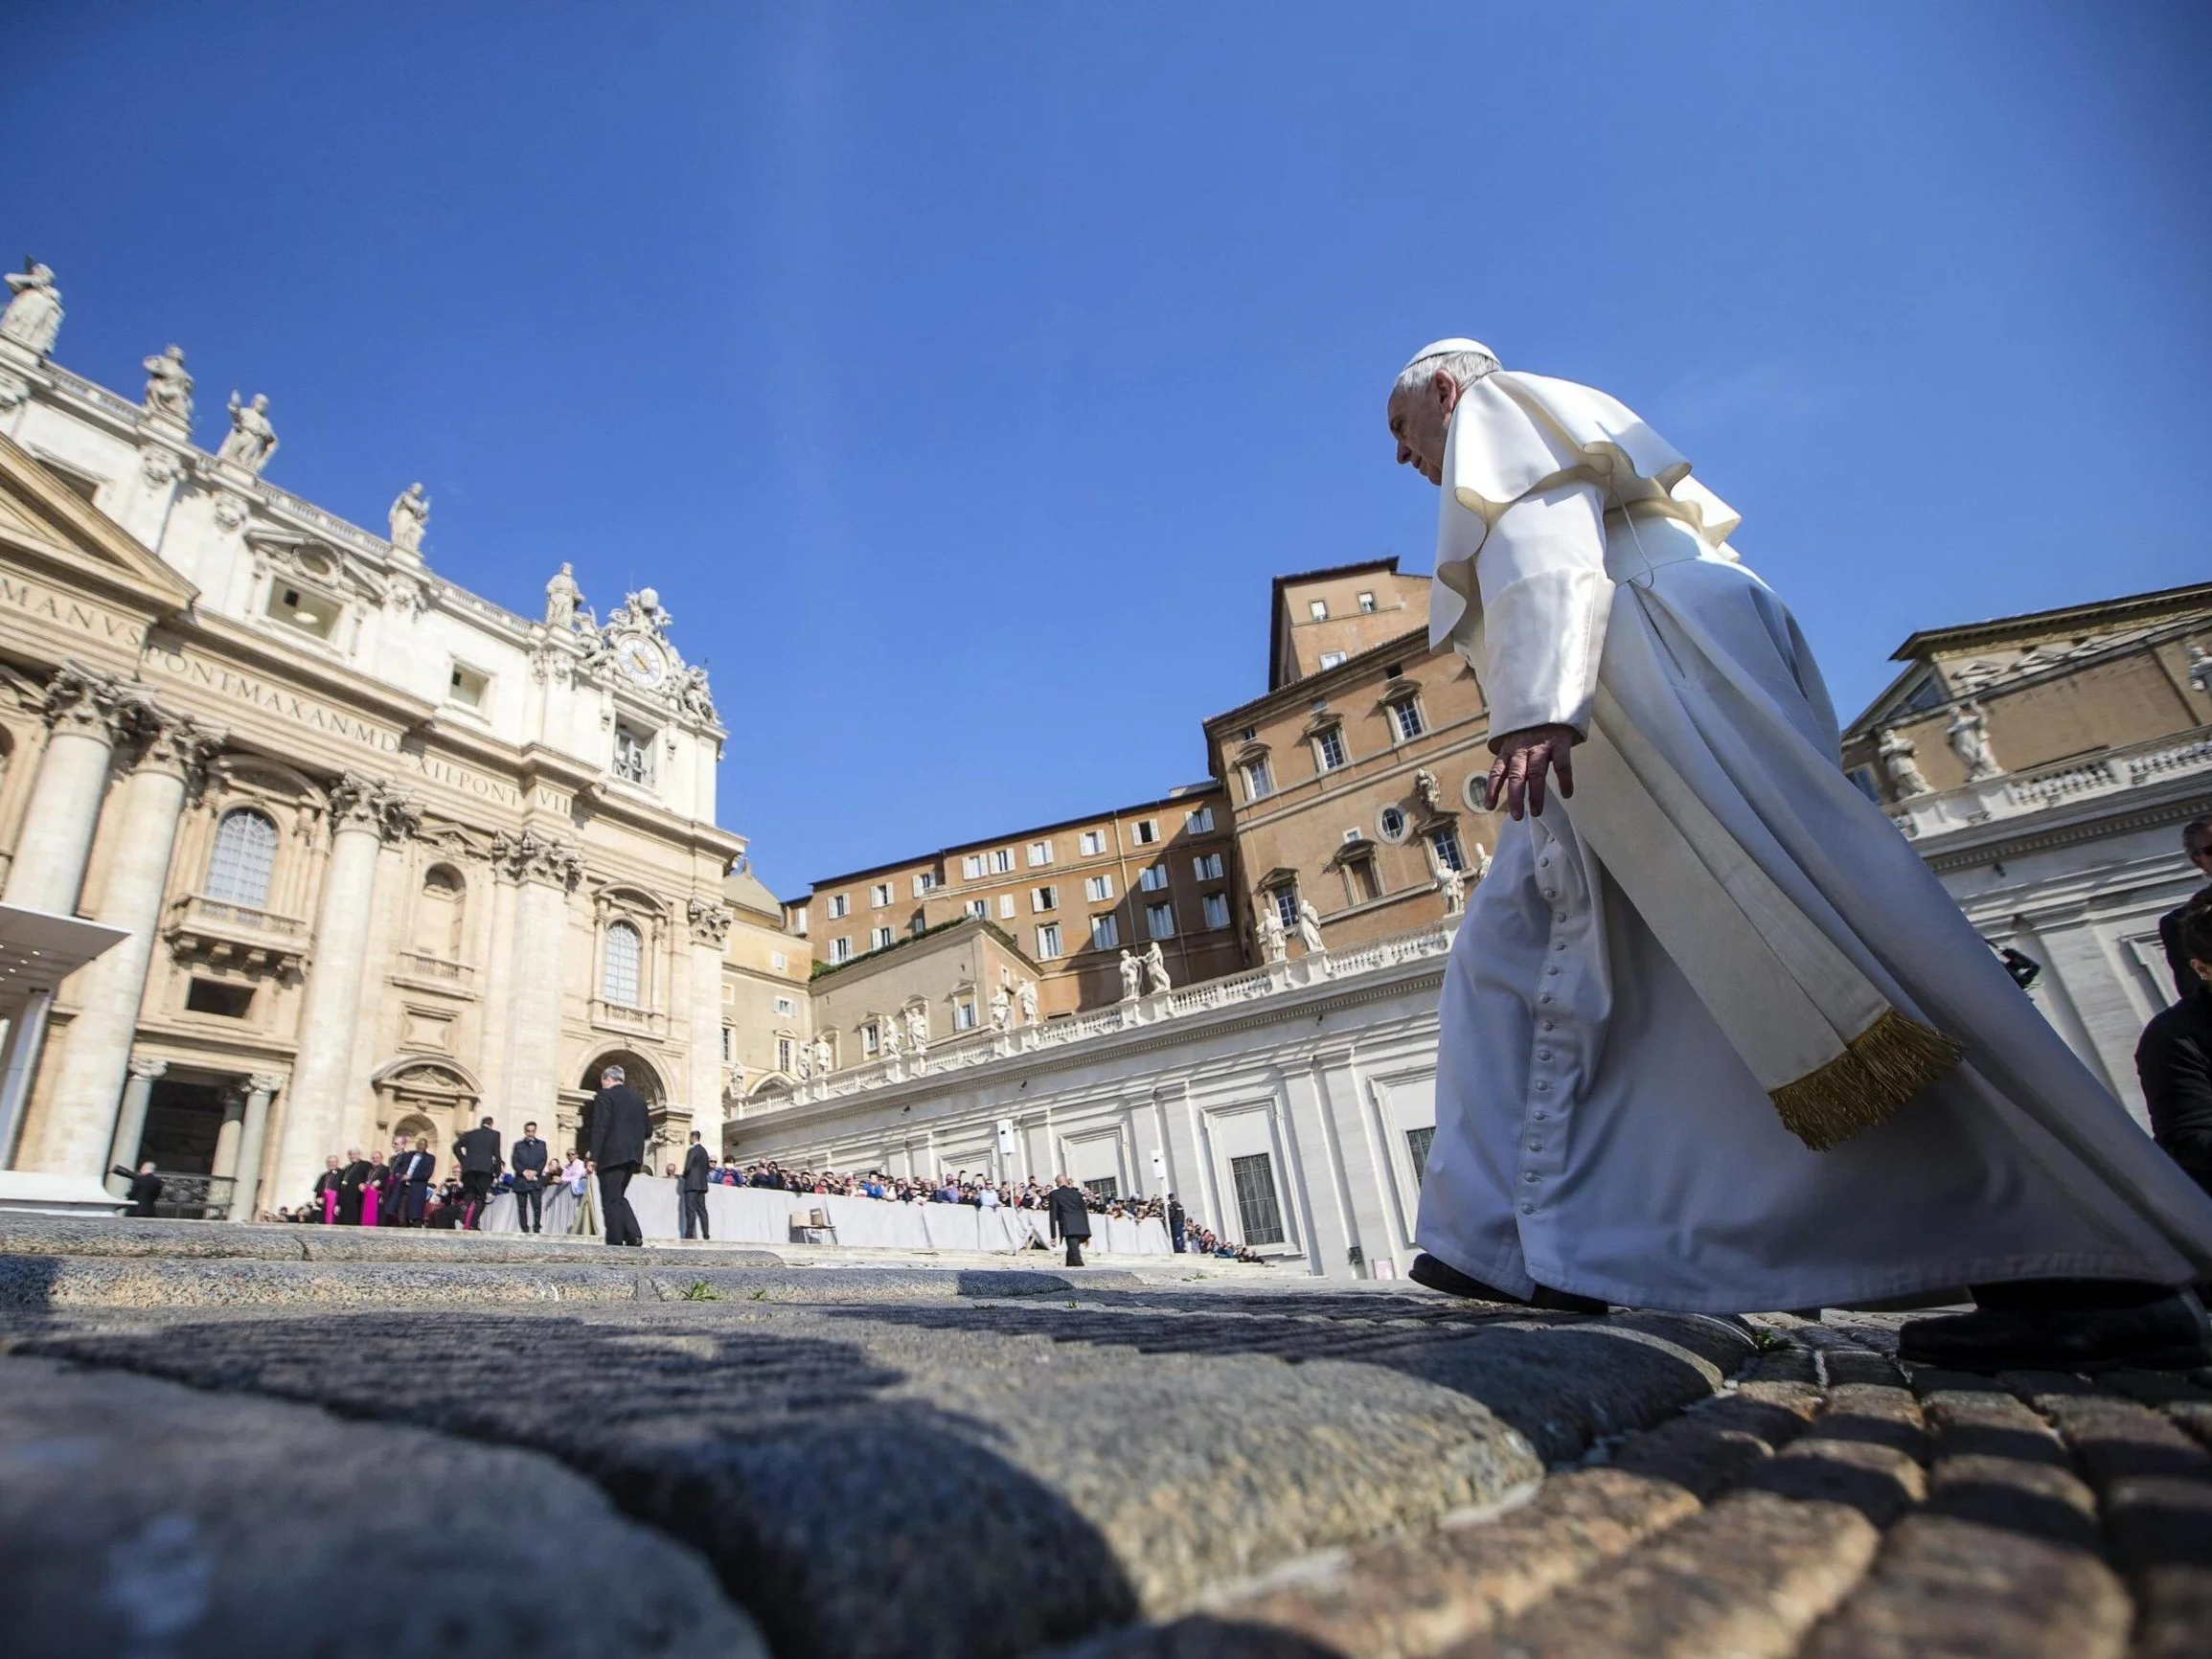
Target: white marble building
[1289, 1107]
[2073, 867]
[387, 855]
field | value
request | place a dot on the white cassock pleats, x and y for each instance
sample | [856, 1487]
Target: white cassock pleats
[1596, 1132]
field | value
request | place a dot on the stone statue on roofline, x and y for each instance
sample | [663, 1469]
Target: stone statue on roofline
[409, 518]
[1155, 968]
[33, 319]
[251, 439]
[562, 597]
[1132, 977]
[1968, 735]
[1453, 886]
[169, 388]
[1309, 926]
[1028, 996]
[1899, 756]
[1274, 940]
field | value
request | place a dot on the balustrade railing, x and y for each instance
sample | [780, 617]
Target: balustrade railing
[2009, 795]
[426, 966]
[222, 912]
[984, 1047]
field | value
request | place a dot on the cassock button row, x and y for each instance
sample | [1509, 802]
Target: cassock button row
[1543, 1084]
[1532, 1175]
[1554, 968]
[1528, 1209]
[1558, 916]
[1547, 1024]
[1559, 945]
[1543, 1053]
[1551, 893]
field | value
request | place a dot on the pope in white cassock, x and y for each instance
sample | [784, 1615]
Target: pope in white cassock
[1714, 1037]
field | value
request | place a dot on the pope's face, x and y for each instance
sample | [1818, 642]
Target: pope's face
[1420, 422]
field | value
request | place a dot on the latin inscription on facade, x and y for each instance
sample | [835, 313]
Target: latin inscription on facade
[228, 684]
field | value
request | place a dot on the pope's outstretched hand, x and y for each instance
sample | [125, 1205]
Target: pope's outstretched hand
[1523, 758]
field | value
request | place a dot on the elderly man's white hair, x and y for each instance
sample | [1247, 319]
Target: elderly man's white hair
[1466, 361]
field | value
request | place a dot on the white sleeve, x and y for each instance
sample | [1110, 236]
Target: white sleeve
[1545, 598]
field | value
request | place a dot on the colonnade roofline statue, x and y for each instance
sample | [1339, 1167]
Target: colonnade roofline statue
[251, 439]
[33, 319]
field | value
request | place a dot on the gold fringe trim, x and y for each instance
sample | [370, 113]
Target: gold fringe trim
[1879, 1070]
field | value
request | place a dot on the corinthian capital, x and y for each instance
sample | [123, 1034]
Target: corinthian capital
[533, 857]
[709, 922]
[177, 744]
[91, 704]
[364, 802]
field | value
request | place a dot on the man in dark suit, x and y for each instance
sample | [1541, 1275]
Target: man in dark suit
[351, 1182]
[1176, 1221]
[620, 1122]
[528, 1162]
[2197, 847]
[411, 1173]
[145, 1187]
[478, 1150]
[692, 1190]
[1070, 1217]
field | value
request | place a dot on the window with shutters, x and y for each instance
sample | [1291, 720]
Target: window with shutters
[622, 977]
[1417, 1144]
[1259, 1213]
[1160, 921]
[245, 857]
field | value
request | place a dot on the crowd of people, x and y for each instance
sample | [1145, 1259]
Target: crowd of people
[985, 1192]
[402, 1188]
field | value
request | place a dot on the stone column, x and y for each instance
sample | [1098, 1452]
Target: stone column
[131, 1121]
[710, 926]
[363, 812]
[226, 1138]
[81, 1131]
[261, 1089]
[87, 711]
[546, 872]
[498, 979]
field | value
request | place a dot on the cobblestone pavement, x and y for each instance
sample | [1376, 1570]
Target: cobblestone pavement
[892, 1461]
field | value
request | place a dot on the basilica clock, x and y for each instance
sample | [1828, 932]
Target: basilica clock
[642, 660]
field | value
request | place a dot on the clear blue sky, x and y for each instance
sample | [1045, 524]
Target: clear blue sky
[962, 374]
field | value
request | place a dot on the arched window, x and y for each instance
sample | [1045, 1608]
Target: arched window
[625, 964]
[438, 913]
[246, 853]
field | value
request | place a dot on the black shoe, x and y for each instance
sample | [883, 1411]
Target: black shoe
[1442, 1276]
[2167, 1335]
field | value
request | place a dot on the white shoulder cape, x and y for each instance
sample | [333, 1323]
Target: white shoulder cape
[1515, 435]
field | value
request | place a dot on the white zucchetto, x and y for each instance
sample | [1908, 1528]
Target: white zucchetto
[1438, 349]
